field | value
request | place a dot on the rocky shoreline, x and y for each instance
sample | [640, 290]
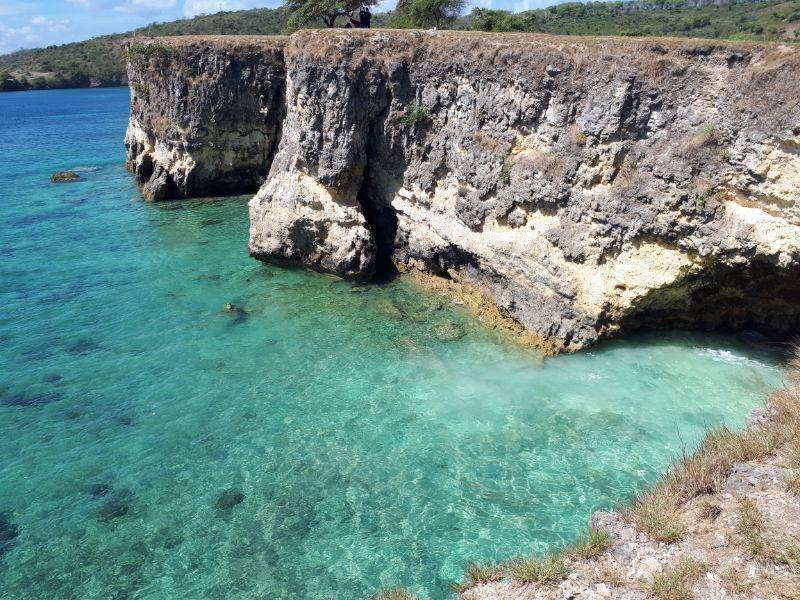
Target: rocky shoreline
[587, 187]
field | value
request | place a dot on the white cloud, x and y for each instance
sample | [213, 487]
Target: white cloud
[14, 38]
[144, 7]
[192, 8]
[52, 25]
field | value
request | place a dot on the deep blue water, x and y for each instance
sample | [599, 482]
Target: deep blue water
[372, 449]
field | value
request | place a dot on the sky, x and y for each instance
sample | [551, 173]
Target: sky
[35, 23]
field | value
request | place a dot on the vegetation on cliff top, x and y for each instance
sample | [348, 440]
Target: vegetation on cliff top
[100, 61]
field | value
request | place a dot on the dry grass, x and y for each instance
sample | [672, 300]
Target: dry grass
[656, 514]
[588, 547]
[792, 454]
[547, 164]
[673, 584]
[394, 594]
[706, 137]
[538, 570]
[750, 527]
[793, 483]
[478, 574]
[710, 511]
[733, 581]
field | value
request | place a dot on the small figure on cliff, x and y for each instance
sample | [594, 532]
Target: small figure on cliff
[365, 17]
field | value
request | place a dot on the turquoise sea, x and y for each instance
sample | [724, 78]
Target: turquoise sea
[329, 440]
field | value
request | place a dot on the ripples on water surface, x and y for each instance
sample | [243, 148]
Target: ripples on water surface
[379, 436]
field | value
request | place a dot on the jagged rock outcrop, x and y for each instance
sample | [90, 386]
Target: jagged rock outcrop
[587, 187]
[205, 113]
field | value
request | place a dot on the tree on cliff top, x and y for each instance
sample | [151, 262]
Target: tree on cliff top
[428, 13]
[308, 11]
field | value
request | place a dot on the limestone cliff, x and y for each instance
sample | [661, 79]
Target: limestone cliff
[586, 187]
[205, 113]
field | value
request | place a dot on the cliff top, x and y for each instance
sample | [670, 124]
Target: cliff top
[382, 36]
[184, 40]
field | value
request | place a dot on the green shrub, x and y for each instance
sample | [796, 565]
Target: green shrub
[419, 114]
[505, 174]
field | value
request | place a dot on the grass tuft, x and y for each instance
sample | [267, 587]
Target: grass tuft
[538, 570]
[673, 584]
[749, 526]
[589, 546]
[656, 514]
[478, 574]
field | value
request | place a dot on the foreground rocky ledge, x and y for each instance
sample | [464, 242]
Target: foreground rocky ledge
[585, 187]
[723, 523]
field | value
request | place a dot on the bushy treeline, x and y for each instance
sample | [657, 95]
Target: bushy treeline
[765, 21]
[100, 61]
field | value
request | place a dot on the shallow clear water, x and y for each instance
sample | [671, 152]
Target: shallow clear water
[373, 448]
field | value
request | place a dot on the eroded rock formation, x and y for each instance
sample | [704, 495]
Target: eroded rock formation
[586, 187]
[205, 113]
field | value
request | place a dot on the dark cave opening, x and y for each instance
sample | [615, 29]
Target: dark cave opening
[375, 201]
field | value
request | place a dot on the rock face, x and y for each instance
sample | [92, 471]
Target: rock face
[205, 113]
[586, 187]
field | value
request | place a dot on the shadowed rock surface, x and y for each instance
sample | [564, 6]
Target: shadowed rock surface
[586, 187]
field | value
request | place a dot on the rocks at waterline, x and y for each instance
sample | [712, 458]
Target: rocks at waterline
[229, 498]
[65, 177]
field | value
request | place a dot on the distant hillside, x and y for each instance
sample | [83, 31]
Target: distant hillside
[100, 61]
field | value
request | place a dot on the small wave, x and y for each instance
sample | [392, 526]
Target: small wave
[85, 169]
[729, 357]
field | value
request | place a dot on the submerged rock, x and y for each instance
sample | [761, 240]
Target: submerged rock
[388, 308]
[8, 534]
[449, 331]
[64, 177]
[117, 506]
[229, 498]
[98, 490]
[238, 312]
[84, 346]
[29, 399]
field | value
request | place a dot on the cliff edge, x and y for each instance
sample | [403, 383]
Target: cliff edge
[585, 187]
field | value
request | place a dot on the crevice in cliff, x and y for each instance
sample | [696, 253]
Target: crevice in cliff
[378, 187]
[375, 201]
